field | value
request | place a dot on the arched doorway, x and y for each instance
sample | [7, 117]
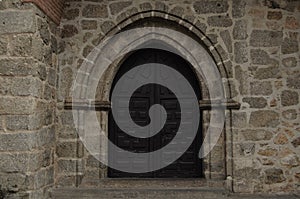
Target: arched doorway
[188, 165]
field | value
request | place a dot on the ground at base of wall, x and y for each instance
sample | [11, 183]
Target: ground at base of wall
[144, 193]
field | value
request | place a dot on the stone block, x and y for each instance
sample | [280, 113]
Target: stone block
[261, 88]
[107, 26]
[43, 28]
[296, 142]
[116, 8]
[255, 135]
[3, 45]
[292, 23]
[238, 8]
[267, 152]
[95, 11]
[69, 31]
[71, 14]
[240, 30]
[205, 6]
[15, 182]
[23, 122]
[70, 166]
[247, 172]
[20, 45]
[17, 141]
[274, 175]
[239, 119]
[266, 38]
[289, 98]
[266, 73]
[280, 139]
[289, 62]
[219, 21]
[261, 57]
[17, 21]
[46, 137]
[145, 6]
[89, 25]
[69, 149]
[241, 52]
[256, 102]
[18, 67]
[293, 80]
[17, 105]
[290, 114]
[289, 46]
[264, 118]
[225, 35]
[274, 15]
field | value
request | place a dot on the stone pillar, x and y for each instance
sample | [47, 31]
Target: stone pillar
[27, 100]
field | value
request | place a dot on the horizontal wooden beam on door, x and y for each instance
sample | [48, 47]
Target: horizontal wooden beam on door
[106, 105]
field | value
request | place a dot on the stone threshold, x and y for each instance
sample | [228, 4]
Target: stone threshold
[149, 183]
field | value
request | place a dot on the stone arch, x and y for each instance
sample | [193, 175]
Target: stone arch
[216, 51]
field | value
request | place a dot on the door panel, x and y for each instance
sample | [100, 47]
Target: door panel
[188, 165]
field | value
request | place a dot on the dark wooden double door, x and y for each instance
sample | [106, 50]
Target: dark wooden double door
[188, 165]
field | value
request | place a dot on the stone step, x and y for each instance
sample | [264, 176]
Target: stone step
[151, 183]
[140, 193]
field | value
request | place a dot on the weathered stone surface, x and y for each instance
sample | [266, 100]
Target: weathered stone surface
[24, 86]
[10, 105]
[239, 119]
[266, 38]
[261, 57]
[227, 40]
[268, 152]
[293, 81]
[238, 8]
[290, 114]
[145, 6]
[266, 73]
[289, 46]
[242, 78]
[219, 21]
[256, 102]
[289, 98]
[296, 142]
[289, 62]
[255, 135]
[204, 7]
[247, 172]
[14, 21]
[70, 166]
[69, 149]
[116, 8]
[14, 182]
[274, 15]
[95, 11]
[280, 139]
[290, 161]
[292, 23]
[21, 45]
[3, 45]
[261, 88]
[274, 175]
[264, 118]
[240, 52]
[178, 11]
[23, 122]
[107, 26]
[66, 78]
[44, 31]
[71, 14]
[89, 24]
[240, 30]
[69, 31]
[18, 141]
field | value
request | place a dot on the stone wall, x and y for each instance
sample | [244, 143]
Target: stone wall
[259, 46]
[28, 76]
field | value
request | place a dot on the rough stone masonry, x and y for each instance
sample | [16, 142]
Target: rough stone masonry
[255, 41]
